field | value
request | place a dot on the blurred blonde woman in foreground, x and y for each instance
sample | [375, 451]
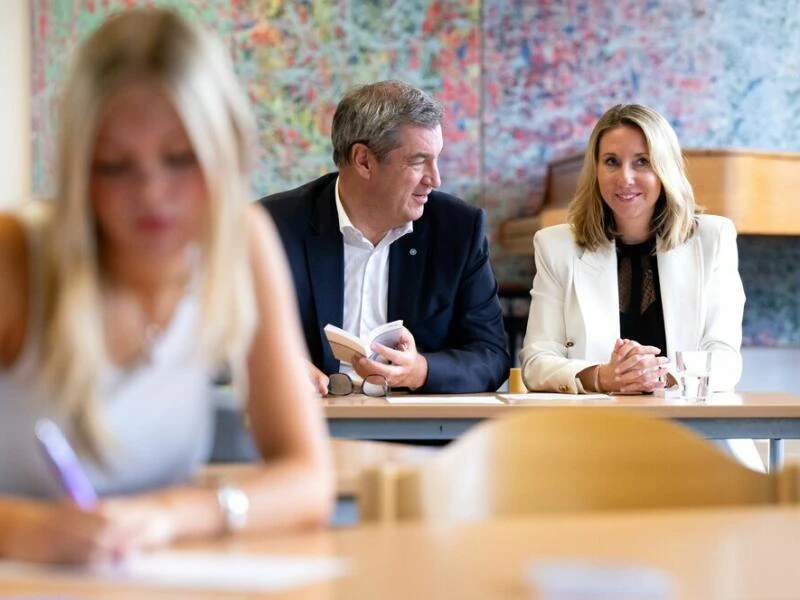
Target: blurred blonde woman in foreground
[636, 274]
[150, 273]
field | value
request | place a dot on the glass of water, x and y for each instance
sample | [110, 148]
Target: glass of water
[694, 372]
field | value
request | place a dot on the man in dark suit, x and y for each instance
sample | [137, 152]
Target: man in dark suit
[375, 243]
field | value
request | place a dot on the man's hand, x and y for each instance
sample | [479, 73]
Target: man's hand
[408, 368]
[318, 379]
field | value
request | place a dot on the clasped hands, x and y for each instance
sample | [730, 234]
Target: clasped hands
[406, 368]
[634, 368]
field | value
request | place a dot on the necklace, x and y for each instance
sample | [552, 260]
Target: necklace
[149, 339]
[138, 321]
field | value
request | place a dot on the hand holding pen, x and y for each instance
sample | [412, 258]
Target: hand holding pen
[131, 522]
[84, 530]
[76, 532]
[65, 464]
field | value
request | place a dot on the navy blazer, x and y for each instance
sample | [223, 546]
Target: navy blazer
[440, 284]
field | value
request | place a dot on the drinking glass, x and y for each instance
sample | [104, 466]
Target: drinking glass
[694, 373]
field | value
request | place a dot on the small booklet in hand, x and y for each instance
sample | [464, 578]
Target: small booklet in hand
[345, 345]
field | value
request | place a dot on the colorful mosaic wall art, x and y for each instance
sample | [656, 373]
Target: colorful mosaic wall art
[523, 82]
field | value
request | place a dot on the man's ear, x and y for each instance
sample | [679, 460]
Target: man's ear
[362, 159]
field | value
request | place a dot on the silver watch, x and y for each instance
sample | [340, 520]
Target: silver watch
[235, 506]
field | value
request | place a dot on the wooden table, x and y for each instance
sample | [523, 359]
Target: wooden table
[749, 415]
[731, 554]
[350, 457]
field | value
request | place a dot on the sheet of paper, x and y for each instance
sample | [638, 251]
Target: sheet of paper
[552, 397]
[198, 570]
[444, 400]
[579, 580]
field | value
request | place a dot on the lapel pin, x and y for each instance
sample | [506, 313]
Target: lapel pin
[413, 252]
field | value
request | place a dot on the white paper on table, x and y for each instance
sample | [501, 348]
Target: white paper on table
[198, 570]
[553, 397]
[444, 400]
[579, 580]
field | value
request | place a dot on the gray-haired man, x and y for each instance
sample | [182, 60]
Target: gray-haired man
[375, 243]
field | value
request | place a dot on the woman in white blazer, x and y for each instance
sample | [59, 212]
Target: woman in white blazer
[636, 274]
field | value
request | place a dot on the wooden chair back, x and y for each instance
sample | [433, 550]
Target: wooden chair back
[569, 459]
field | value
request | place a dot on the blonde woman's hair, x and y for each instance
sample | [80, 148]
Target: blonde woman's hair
[673, 221]
[194, 70]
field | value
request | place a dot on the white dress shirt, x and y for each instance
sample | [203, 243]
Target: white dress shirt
[366, 276]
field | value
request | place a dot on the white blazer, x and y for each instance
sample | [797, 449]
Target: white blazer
[574, 316]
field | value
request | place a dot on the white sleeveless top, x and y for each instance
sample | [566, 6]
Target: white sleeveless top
[159, 413]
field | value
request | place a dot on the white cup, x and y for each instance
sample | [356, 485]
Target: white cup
[694, 374]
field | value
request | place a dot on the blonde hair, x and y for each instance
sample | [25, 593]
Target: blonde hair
[673, 221]
[194, 70]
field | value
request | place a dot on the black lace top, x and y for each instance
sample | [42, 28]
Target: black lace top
[641, 316]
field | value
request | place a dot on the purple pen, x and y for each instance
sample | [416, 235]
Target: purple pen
[65, 464]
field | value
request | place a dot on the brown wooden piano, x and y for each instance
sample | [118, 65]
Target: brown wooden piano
[757, 190]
